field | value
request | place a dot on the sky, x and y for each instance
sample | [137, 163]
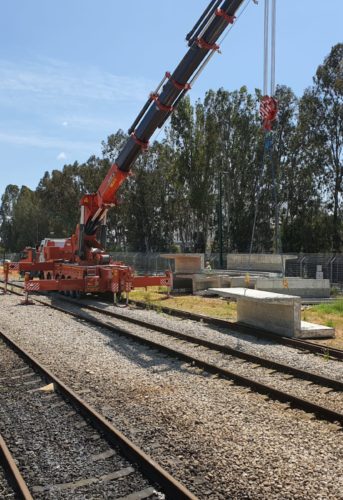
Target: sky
[74, 71]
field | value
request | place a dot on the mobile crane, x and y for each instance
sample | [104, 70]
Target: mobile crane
[80, 263]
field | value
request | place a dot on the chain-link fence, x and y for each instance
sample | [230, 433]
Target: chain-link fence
[303, 266]
[144, 263]
[327, 266]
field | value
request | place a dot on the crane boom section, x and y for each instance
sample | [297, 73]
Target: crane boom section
[202, 41]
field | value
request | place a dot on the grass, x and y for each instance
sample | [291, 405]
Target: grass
[328, 314]
[217, 308]
[330, 308]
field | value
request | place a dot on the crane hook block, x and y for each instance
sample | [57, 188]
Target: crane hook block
[268, 111]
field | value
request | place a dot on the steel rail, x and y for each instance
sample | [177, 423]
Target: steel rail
[151, 469]
[15, 478]
[301, 344]
[268, 363]
[296, 402]
[248, 330]
[299, 403]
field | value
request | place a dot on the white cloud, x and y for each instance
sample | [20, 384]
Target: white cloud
[45, 142]
[62, 156]
[50, 79]
[93, 122]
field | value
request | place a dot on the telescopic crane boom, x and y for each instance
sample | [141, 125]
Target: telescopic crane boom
[91, 232]
[79, 264]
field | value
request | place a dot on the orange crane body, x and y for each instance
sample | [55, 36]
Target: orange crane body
[80, 263]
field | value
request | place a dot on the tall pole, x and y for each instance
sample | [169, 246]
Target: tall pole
[268, 133]
[272, 69]
[266, 47]
[272, 93]
[220, 222]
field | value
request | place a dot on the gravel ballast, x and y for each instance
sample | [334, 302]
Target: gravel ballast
[58, 453]
[5, 489]
[240, 341]
[281, 381]
[221, 440]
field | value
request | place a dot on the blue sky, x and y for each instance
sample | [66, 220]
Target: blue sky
[74, 71]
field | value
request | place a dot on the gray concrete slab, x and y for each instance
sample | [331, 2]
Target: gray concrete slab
[313, 331]
[274, 312]
[258, 261]
[254, 295]
[303, 287]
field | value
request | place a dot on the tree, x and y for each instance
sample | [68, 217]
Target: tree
[321, 122]
[8, 203]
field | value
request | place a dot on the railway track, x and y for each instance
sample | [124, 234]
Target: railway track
[230, 326]
[304, 345]
[323, 395]
[310, 392]
[215, 346]
[63, 446]
[12, 484]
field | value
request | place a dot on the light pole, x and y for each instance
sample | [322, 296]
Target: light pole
[220, 215]
[220, 222]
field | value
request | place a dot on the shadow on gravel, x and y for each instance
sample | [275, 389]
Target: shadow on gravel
[137, 352]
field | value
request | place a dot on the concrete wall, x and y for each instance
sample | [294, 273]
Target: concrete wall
[186, 262]
[258, 261]
[273, 312]
[283, 319]
[302, 287]
[200, 281]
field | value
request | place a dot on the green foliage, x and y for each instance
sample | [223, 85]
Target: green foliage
[208, 167]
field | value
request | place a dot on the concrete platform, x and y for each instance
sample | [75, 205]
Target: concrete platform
[313, 331]
[274, 312]
[304, 287]
[201, 281]
[258, 261]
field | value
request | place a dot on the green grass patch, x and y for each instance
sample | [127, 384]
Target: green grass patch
[330, 308]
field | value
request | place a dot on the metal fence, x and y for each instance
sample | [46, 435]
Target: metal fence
[304, 266]
[311, 265]
[144, 263]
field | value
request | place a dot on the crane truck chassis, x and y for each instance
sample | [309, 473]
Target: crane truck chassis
[80, 264]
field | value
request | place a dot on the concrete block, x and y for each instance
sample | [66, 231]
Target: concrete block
[198, 281]
[186, 262]
[258, 261]
[303, 287]
[313, 331]
[204, 281]
[241, 281]
[273, 312]
[225, 280]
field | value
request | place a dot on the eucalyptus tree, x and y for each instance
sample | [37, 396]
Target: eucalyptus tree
[321, 124]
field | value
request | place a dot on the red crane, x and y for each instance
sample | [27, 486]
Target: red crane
[80, 263]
